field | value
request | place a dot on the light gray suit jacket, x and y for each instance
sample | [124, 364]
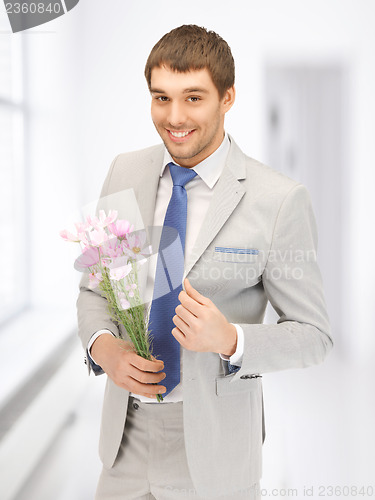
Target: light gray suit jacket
[257, 243]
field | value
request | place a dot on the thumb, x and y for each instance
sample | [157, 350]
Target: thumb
[194, 294]
[157, 360]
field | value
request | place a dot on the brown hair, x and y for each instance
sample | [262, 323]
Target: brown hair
[191, 47]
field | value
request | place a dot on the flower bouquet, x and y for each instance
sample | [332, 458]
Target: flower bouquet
[112, 254]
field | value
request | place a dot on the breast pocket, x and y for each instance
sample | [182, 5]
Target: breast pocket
[238, 267]
[236, 255]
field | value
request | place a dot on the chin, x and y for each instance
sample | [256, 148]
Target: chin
[180, 155]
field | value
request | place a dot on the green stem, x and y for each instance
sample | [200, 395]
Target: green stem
[134, 319]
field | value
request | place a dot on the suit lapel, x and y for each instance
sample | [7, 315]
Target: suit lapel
[147, 186]
[226, 196]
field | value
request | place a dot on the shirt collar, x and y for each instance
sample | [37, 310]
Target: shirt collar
[209, 170]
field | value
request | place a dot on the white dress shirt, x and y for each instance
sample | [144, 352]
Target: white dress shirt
[199, 193]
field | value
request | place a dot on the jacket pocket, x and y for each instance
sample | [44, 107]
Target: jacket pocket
[225, 386]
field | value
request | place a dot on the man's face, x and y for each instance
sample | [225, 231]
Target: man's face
[188, 114]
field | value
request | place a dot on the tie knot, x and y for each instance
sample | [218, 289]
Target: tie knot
[181, 175]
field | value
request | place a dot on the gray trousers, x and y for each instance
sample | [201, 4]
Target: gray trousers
[151, 463]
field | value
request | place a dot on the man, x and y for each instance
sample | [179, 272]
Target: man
[250, 238]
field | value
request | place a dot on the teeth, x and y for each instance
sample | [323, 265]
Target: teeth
[179, 134]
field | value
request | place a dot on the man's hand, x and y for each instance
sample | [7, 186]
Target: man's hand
[128, 370]
[200, 326]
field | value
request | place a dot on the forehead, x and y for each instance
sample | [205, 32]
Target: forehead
[164, 79]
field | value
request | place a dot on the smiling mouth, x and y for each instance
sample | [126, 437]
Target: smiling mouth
[179, 135]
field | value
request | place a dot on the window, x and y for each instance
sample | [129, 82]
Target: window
[307, 108]
[13, 203]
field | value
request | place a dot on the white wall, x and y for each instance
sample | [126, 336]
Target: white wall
[89, 101]
[51, 79]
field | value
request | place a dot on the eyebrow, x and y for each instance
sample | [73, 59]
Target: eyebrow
[185, 91]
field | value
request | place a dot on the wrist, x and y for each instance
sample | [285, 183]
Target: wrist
[231, 345]
[100, 346]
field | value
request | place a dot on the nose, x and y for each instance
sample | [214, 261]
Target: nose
[177, 115]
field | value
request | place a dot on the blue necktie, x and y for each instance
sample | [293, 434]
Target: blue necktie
[168, 278]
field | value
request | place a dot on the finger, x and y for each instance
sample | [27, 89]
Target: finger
[181, 325]
[158, 360]
[183, 313]
[145, 377]
[139, 388]
[190, 304]
[194, 294]
[179, 336]
[144, 364]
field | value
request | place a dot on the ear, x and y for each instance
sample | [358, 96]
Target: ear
[229, 98]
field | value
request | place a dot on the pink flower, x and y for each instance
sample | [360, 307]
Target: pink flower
[112, 248]
[134, 246]
[130, 289]
[92, 221]
[82, 232]
[80, 237]
[81, 227]
[68, 236]
[106, 262]
[125, 304]
[120, 228]
[103, 219]
[118, 273]
[95, 279]
[88, 258]
[97, 237]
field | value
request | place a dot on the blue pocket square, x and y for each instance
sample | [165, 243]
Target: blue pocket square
[246, 251]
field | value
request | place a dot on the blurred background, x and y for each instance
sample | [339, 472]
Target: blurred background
[73, 96]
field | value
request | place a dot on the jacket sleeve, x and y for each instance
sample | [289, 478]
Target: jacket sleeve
[92, 308]
[293, 285]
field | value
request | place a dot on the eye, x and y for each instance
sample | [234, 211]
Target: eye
[193, 99]
[162, 98]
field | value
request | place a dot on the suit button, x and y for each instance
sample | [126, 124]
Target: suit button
[135, 406]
